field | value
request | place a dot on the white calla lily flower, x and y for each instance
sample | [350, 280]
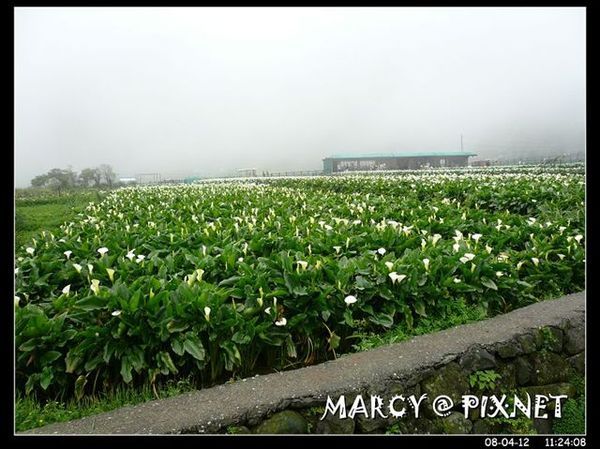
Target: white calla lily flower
[395, 277]
[95, 287]
[467, 257]
[350, 299]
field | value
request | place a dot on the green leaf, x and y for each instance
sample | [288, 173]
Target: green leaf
[524, 284]
[79, 386]
[46, 378]
[49, 357]
[489, 283]
[348, 318]
[167, 362]
[177, 346]
[363, 283]
[29, 345]
[382, 319]
[386, 293]
[334, 341]
[241, 338]
[157, 299]
[137, 357]
[408, 317]
[69, 334]
[110, 349]
[91, 303]
[193, 346]
[278, 293]
[229, 281]
[135, 300]
[290, 348]
[288, 282]
[300, 291]
[91, 364]
[231, 356]
[176, 326]
[31, 381]
[419, 307]
[126, 368]
[72, 361]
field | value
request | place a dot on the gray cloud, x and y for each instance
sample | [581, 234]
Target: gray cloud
[208, 90]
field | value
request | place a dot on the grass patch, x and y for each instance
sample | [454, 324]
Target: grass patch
[573, 418]
[47, 213]
[573, 413]
[30, 413]
[459, 313]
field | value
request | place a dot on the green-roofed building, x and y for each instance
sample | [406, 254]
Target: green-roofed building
[395, 161]
[191, 179]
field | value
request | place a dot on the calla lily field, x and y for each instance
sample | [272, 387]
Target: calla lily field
[228, 278]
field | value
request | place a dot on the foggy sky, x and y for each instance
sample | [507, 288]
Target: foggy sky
[185, 91]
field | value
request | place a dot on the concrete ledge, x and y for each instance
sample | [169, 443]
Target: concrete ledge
[251, 400]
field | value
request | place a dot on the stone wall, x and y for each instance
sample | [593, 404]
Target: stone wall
[538, 349]
[542, 361]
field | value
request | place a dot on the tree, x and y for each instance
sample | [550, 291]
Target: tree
[108, 174]
[97, 177]
[39, 181]
[88, 175]
[71, 176]
[59, 179]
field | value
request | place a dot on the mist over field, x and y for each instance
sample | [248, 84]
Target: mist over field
[206, 91]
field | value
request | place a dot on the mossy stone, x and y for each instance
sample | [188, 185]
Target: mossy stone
[286, 422]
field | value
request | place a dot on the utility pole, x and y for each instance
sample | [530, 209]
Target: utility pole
[461, 143]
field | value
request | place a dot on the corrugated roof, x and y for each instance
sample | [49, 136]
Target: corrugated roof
[405, 154]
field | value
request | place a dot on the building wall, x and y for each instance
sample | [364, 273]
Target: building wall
[397, 163]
